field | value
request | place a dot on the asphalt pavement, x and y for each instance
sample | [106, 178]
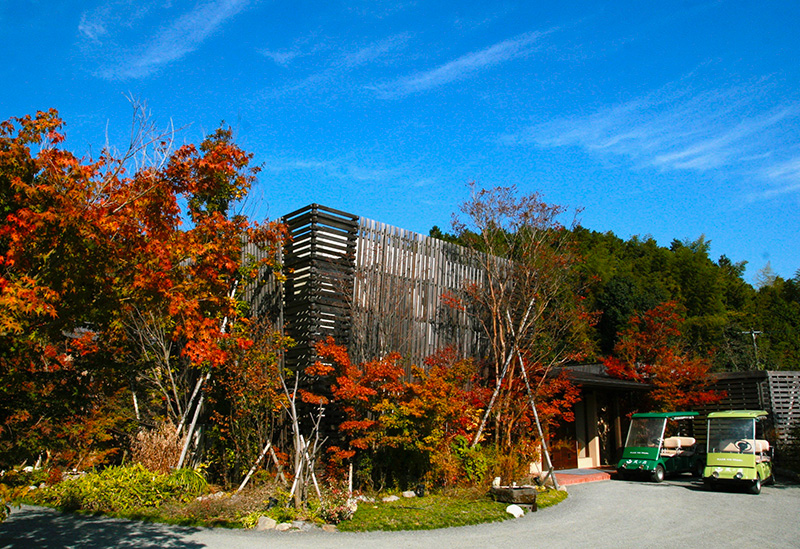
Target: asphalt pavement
[675, 513]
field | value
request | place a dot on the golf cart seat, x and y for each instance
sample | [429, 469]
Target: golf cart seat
[730, 446]
[761, 446]
[762, 450]
[677, 445]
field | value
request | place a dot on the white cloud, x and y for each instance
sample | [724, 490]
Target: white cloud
[102, 22]
[176, 39]
[92, 27]
[349, 171]
[463, 66]
[374, 51]
[675, 128]
[282, 58]
[782, 178]
[342, 62]
[340, 169]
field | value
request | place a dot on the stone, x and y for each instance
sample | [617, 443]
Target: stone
[514, 494]
[365, 499]
[215, 495]
[266, 523]
[389, 499]
[515, 510]
[409, 494]
[283, 526]
[329, 528]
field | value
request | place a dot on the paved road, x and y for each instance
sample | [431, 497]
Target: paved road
[676, 513]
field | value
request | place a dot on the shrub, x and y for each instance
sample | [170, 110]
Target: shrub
[335, 505]
[189, 482]
[120, 490]
[473, 460]
[157, 449]
[27, 476]
[9, 495]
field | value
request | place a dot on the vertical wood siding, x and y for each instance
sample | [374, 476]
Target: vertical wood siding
[373, 287]
[784, 390]
[400, 277]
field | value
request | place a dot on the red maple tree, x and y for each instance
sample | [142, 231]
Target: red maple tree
[650, 351]
[99, 258]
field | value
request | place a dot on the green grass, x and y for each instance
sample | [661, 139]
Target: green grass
[135, 493]
[435, 511]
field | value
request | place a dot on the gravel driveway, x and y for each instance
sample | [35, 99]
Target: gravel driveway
[676, 513]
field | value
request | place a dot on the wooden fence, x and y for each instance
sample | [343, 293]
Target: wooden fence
[784, 391]
[372, 287]
[400, 278]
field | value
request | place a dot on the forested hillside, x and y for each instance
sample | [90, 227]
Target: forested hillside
[722, 312]
[720, 308]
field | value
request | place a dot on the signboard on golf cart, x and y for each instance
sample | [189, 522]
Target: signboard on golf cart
[735, 453]
[661, 444]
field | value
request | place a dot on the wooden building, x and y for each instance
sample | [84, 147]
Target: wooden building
[378, 289]
[371, 286]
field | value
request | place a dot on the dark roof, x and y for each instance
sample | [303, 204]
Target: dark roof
[593, 375]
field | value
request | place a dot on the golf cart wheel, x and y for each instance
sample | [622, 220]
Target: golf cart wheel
[709, 483]
[755, 487]
[658, 473]
[697, 470]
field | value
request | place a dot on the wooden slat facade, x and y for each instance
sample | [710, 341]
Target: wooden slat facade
[319, 262]
[375, 288]
[397, 295]
[784, 391]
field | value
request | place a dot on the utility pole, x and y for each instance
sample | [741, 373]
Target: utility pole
[753, 334]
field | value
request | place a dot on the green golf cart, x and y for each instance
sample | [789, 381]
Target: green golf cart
[735, 453]
[649, 453]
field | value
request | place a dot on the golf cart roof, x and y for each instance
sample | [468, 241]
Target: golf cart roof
[751, 414]
[667, 415]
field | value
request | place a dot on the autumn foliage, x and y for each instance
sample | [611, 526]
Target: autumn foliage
[405, 427]
[391, 418]
[650, 351]
[117, 275]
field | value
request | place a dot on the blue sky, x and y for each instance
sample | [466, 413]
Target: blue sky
[670, 119]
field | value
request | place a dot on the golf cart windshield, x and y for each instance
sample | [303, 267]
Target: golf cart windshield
[731, 435]
[646, 432]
